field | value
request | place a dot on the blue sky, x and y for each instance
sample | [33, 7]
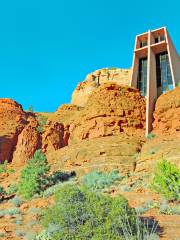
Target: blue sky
[47, 47]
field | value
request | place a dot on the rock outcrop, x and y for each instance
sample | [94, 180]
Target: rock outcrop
[104, 154]
[29, 140]
[167, 113]
[110, 110]
[12, 121]
[53, 137]
[95, 79]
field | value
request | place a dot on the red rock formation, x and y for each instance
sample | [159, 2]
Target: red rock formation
[53, 137]
[12, 122]
[93, 80]
[111, 110]
[167, 113]
[29, 140]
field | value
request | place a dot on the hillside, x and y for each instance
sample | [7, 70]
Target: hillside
[101, 130]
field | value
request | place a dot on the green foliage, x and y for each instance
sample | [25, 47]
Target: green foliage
[33, 176]
[11, 211]
[99, 180]
[82, 215]
[2, 235]
[3, 166]
[12, 189]
[4, 169]
[151, 136]
[42, 122]
[167, 180]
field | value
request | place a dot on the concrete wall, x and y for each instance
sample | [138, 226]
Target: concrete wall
[174, 59]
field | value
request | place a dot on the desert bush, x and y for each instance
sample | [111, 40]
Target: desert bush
[98, 180]
[167, 180]
[33, 176]
[169, 210]
[81, 214]
[10, 211]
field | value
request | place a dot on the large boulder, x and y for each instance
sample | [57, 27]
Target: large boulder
[95, 79]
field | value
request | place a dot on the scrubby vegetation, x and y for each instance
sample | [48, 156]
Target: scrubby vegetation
[82, 214]
[98, 180]
[167, 180]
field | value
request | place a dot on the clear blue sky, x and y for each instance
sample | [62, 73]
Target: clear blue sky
[47, 47]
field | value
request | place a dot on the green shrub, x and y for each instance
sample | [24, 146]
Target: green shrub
[4, 169]
[99, 180]
[167, 180]
[168, 210]
[42, 122]
[33, 176]
[79, 214]
[10, 211]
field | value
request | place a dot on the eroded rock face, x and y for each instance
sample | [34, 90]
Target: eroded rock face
[93, 80]
[103, 154]
[53, 137]
[12, 121]
[29, 140]
[167, 113]
[111, 110]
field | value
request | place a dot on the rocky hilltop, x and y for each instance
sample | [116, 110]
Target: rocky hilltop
[97, 78]
[102, 129]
